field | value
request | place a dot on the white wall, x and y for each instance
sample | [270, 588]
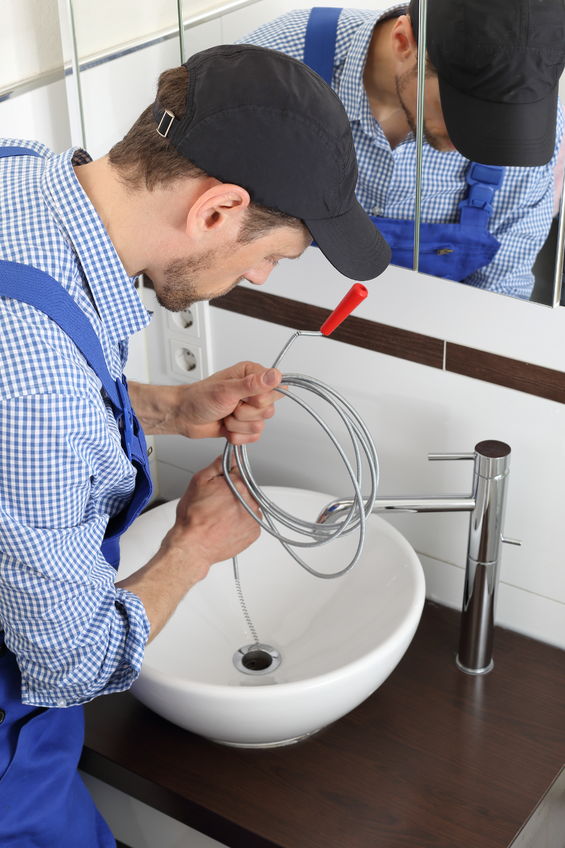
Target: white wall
[30, 41]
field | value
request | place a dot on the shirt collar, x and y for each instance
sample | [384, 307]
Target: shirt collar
[113, 290]
[350, 88]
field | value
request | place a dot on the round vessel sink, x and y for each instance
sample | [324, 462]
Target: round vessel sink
[325, 645]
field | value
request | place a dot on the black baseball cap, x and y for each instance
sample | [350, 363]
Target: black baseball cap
[499, 64]
[259, 119]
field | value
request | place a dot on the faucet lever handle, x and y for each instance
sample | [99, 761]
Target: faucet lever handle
[435, 457]
[508, 541]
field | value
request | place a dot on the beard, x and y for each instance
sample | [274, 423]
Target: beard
[435, 140]
[183, 282]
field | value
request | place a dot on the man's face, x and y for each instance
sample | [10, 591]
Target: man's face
[213, 273]
[435, 131]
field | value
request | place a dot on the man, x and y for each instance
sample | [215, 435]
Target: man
[245, 156]
[491, 90]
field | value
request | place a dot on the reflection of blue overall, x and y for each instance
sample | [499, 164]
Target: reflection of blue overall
[453, 251]
[43, 801]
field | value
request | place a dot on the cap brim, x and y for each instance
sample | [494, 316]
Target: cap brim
[352, 244]
[518, 134]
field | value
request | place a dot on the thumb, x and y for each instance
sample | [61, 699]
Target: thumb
[260, 382]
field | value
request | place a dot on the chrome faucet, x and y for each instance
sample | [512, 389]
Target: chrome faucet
[486, 504]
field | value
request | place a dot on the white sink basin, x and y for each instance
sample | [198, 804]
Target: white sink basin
[338, 640]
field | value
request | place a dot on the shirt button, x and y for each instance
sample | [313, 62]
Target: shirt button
[376, 210]
[2, 716]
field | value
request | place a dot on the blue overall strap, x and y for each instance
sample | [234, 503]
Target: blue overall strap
[476, 206]
[18, 151]
[319, 45]
[37, 288]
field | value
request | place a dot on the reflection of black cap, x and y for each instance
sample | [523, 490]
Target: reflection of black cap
[266, 122]
[499, 64]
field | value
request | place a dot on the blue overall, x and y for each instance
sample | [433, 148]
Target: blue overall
[43, 801]
[453, 251]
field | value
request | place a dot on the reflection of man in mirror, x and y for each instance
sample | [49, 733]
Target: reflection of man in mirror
[492, 125]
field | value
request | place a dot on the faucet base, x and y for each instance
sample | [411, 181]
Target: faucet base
[473, 671]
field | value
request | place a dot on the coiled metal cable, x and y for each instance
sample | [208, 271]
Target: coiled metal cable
[312, 534]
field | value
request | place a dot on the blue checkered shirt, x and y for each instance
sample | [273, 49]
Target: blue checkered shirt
[63, 472]
[522, 207]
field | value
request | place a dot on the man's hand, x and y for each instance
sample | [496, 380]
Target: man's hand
[233, 404]
[210, 520]
[211, 526]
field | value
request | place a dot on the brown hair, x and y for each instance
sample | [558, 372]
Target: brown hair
[144, 158]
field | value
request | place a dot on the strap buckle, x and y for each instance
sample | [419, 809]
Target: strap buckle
[164, 132]
[483, 181]
[479, 173]
[480, 196]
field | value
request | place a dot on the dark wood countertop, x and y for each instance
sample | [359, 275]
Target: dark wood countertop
[433, 758]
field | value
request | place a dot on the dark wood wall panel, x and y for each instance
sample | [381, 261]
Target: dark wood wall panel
[370, 335]
[512, 373]
[393, 341]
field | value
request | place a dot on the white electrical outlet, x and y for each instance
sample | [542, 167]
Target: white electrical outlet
[179, 343]
[185, 360]
[185, 321]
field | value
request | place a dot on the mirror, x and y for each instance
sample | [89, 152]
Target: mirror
[141, 24]
[117, 50]
[526, 218]
[504, 245]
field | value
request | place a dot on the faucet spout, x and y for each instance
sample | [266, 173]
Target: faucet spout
[404, 503]
[486, 505]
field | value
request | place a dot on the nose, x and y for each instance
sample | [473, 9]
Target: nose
[259, 274]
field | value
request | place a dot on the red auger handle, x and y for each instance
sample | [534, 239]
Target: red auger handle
[345, 307]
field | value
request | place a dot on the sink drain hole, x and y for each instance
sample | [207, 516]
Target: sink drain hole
[257, 659]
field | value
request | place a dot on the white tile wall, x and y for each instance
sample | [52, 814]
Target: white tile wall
[39, 115]
[108, 25]
[30, 41]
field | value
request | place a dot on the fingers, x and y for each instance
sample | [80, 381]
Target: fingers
[258, 408]
[256, 386]
[247, 422]
[215, 469]
[249, 419]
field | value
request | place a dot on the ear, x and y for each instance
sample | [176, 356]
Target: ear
[403, 43]
[217, 213]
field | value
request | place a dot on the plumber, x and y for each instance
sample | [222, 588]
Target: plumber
[245, 156]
